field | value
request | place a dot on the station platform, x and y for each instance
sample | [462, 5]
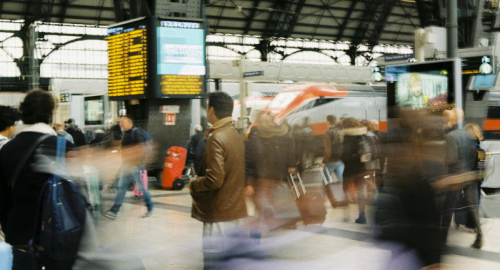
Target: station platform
[171, 239]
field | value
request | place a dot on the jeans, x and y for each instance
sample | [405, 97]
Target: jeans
[336, 167]
[127, 175]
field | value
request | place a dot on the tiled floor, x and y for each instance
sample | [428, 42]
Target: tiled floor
[171, 239]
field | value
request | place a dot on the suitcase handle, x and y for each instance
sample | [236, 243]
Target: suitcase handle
[324, 177]
[301, 183]
[296, 193]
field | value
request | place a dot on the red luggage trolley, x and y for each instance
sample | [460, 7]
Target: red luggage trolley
[173, 167]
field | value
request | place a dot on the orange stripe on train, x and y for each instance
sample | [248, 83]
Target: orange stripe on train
[492, 124]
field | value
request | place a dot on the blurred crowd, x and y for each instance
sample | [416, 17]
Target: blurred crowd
[426, 169]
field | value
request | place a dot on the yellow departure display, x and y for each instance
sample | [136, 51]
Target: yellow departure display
[181, 85]
[128, 65]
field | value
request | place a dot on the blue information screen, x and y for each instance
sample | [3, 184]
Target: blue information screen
[180, 58]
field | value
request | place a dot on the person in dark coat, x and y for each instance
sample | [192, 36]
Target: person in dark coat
[134, 149]
[354, 171]
[76, 133]
[99, 136]
[268, 158]
[19, 204]
[406, 214]
[461, 157]
[194, 141]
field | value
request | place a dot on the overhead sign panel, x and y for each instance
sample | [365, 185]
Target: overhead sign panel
[181, 67]
[128, 60]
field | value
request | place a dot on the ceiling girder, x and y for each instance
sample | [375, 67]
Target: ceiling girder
[346, 19]
[295, 18]
[118, 9]
[385, 10]
[252, 15]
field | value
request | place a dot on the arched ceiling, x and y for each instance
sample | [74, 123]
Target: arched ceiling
[357, 21]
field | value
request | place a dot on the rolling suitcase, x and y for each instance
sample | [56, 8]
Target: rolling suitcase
[144, 183]
[334, 190]
[310, 202]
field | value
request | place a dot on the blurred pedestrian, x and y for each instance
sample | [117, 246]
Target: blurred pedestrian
[461, 157]
[406, 212]
[19, 203]
[59, 127]
[134, 150]
[193, 144]
[355, 171]
[268, 158]
[8, 118]
[76, 133]
[333, 141]
[97, 138]
[218, 190]
[114, 136]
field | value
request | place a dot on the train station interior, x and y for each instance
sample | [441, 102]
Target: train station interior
[155, 63]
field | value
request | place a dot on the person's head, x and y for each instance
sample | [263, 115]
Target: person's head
[126, 122]
[220, 105]
[415, 85]
[474, 131]
[365, 123]
[58, 126]
[374, 125]
[448, 117]
[331, 119]
[350, 122]
[198, 128]
[37, 107]
[70, 121]
[8, 118]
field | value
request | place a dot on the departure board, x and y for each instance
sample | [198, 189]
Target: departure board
[128, 60]
[180, 56]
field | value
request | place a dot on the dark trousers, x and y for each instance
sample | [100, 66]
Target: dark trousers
[472, 204]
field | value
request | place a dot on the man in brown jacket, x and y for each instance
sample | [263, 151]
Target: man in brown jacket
[217, 191]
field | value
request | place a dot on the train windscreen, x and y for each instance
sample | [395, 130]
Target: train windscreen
[283, 99]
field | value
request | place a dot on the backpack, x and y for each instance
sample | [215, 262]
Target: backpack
[148, 139]
[337, 140]
[63, 214]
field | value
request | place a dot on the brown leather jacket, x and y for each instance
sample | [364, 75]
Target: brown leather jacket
[217, 191]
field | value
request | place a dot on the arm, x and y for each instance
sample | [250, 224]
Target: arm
[250, 161]
[215, 174]
[327, 143]
[451, 150]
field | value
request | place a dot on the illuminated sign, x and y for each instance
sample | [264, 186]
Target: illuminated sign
[127, 60]
[181, 68]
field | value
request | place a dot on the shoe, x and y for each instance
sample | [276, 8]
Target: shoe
[138, 197]
[361, 220]
[109, 214]
[478, 243]
[149, 213]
